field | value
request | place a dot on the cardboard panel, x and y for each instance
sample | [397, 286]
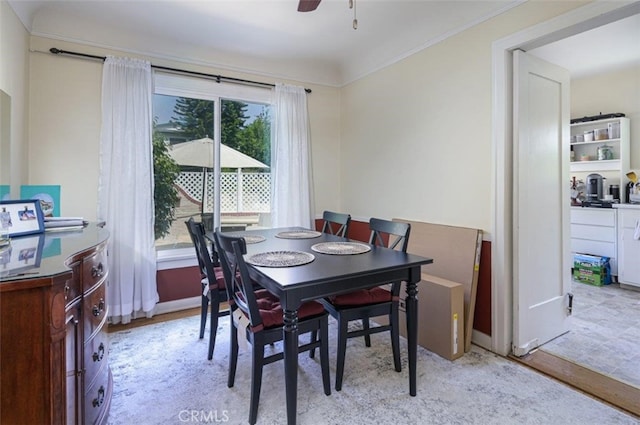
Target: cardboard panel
[456, 257]
[443, 302]
[440, 316]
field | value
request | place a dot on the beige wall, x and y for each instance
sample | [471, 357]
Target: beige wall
[65, 126]
[14, 71]
[412, 140]
[616, 91]
[417, 136]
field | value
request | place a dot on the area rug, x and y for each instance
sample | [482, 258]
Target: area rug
[162, 376]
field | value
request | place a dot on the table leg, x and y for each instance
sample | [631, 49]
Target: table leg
[412, 334]
[290, 331]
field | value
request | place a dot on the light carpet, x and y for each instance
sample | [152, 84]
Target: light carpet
[161, 376]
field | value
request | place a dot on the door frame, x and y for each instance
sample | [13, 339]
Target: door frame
[574, 22]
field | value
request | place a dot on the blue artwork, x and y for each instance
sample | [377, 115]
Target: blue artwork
[49, 196]
[5, 192]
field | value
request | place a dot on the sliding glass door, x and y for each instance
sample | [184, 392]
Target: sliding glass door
[212, 155]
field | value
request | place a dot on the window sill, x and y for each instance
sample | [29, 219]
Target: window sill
[175, 259]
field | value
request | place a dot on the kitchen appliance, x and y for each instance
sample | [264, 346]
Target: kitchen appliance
[594, 187]
[633, 188]
[614, 190]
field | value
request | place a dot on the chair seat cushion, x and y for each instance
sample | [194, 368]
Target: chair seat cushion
[271, 310]
[362, 297]
[219, 280]
[219, 277]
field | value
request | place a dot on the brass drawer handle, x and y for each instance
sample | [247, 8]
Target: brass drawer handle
[100, 399]
[99, 308]
[97, 356]
[97, 271]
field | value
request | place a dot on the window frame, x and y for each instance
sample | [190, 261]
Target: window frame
[206, 89]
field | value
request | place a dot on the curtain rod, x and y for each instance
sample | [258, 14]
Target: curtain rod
[217, 78]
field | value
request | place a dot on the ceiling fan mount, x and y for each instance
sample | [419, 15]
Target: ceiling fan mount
[308, 5]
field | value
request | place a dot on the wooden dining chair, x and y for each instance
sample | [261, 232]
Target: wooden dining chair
[262, 317]
[336, 223]
[364, 304]
[212, 294]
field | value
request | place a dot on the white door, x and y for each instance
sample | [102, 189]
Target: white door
[542, 263]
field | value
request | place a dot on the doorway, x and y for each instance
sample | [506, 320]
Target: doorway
[585, 18]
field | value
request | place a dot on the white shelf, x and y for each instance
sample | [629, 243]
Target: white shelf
[605, 141]
[586, 166]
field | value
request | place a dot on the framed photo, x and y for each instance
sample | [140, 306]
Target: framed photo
[22, 217]
[21, 255]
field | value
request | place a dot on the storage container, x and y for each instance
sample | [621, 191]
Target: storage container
[588, 136]
[591, 269]
[601, 134]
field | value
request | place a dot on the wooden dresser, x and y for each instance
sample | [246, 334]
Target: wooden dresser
[54, 366]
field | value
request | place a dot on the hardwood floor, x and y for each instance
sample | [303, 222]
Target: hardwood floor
[159, 318]
[618, 394]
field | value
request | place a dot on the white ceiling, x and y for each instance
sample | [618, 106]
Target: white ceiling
[265, 36]
[612, 46]
[270, 37]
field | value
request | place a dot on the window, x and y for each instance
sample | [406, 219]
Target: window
[195, 122]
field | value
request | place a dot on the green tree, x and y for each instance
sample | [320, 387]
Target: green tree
[165, 194]
[254, 139]
[194, 116]
[232, 120]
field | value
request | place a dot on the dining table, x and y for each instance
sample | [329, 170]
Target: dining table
[323, 273]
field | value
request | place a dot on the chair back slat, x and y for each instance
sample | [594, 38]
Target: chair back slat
[239, 285]
[205, 257]
[340, 220]
[396, 234]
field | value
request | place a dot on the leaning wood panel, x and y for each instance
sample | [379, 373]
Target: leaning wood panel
[456, 257]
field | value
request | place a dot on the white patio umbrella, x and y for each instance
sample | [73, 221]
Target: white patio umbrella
[200, 152]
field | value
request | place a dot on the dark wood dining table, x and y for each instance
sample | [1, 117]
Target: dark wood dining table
[329, 275]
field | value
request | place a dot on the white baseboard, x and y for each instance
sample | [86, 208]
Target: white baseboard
[177, 305]
[481, 339]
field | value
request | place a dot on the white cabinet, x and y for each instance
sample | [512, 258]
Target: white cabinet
[628, 246]
[593, 231]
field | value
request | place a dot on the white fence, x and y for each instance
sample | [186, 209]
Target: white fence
[239, 192]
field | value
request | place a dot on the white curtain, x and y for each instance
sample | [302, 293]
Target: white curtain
[291, 168]
[125, 190]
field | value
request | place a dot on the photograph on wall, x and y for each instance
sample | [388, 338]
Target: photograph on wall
[49, 196]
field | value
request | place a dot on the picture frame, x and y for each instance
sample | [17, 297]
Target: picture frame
[21, 217]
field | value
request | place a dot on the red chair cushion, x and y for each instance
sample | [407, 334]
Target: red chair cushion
[362, 297]
[271, 310]
[219, 277]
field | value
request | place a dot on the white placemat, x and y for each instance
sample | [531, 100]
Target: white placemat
[249, 239]
[341, 248]
[281, 258]
[299, 234]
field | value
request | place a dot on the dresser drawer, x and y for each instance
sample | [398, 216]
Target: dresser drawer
[96, 356]
[72, 287]
[94, 269]
[95, 312]
[97, 397]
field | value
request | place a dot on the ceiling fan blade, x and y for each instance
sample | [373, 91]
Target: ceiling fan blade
[308, 5]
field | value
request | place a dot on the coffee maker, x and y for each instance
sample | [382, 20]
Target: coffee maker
[594, 187]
